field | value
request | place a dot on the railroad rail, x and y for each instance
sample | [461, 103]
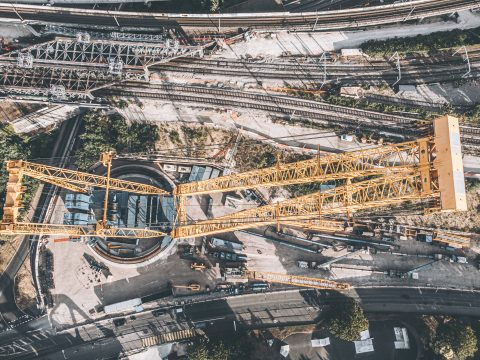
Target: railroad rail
[324, 20]
[307, 111]
[318, 112]
[373, 72]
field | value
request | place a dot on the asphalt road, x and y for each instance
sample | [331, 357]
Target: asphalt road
[104, 340]
[8, 309]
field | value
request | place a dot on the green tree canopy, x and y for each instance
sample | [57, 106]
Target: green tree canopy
[228, 348]
[111, 132]
[18, 147]
[457, 337]
[431, 42]
[346, 320]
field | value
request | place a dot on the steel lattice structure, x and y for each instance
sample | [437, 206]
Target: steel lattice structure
[427, 169]
[99, 53]
[77, 180]
[67, 67]
[376, 161]
[20, 228]
[382, 191]
[302, 281]
[39, 79]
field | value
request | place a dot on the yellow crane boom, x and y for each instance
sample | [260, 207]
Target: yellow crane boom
[375, 161]
[302, 281]
[358, 196]
[77, 180]
[20, 228]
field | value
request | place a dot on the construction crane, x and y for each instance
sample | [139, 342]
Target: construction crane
[75, 181]
[23, 228]
[363, 195]
[437, 173]
[302, 281]
[383, 160]
[380, 160]
[429, 168]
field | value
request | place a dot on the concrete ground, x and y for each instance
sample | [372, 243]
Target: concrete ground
[311, 43]
[253, 124]
[383, 342]
[11, 31]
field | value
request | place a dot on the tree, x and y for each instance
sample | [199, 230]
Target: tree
[346, 320]
[16, 147]
[111, 132]
[198, 350]
[457, 337]
[231, 347]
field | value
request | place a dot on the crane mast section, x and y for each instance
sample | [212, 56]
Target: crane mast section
[302, 281]
[22, 228]
[377, 192]
[375, 161]
[77, 179]
[319, 225]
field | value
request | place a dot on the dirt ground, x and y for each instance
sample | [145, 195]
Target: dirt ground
[10, 110]
[463, 221]
[8, 246]
[193, 140]
[203, 141]
[25, 293]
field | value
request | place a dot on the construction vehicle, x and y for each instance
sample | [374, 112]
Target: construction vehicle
[192, 286]
[198, 266]
[421, 170]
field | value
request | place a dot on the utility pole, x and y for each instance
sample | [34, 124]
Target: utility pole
[409, 14]
[324, 59]
[466, 59]
[399, 77]
[316, 21]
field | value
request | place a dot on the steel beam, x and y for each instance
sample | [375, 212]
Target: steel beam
[383, 191]
[381, 160]
[75, 230]
[61, 176]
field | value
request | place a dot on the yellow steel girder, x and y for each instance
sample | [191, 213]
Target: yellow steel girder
[375, 161]
[302, 281]
[78, 180]
[75, 230]
[319, 225]
[357, 196]
[13, 196]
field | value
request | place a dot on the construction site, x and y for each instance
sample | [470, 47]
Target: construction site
[153, 228]
[171, 178]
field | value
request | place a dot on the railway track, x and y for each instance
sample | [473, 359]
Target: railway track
[323, 20]
[322, 114]
[309, 112]
[345, 73]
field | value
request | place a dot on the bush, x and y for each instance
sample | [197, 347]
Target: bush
[346, 320]
[428, 43]
[457, 337]
[232, 347]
